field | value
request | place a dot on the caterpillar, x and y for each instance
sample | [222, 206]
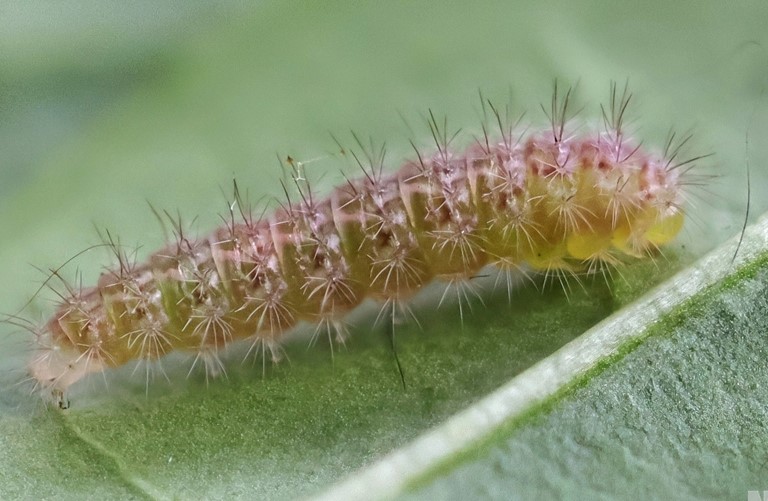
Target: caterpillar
[552, 200]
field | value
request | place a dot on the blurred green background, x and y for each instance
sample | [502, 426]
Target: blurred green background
[107, 105]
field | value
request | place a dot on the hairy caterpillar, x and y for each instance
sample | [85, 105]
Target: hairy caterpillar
[552, 200]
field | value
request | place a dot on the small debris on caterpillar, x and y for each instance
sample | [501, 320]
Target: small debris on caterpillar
[554, 200]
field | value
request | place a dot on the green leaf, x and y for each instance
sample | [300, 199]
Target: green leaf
[105, 107]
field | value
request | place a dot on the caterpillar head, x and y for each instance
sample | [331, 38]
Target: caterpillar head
[55, 367]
